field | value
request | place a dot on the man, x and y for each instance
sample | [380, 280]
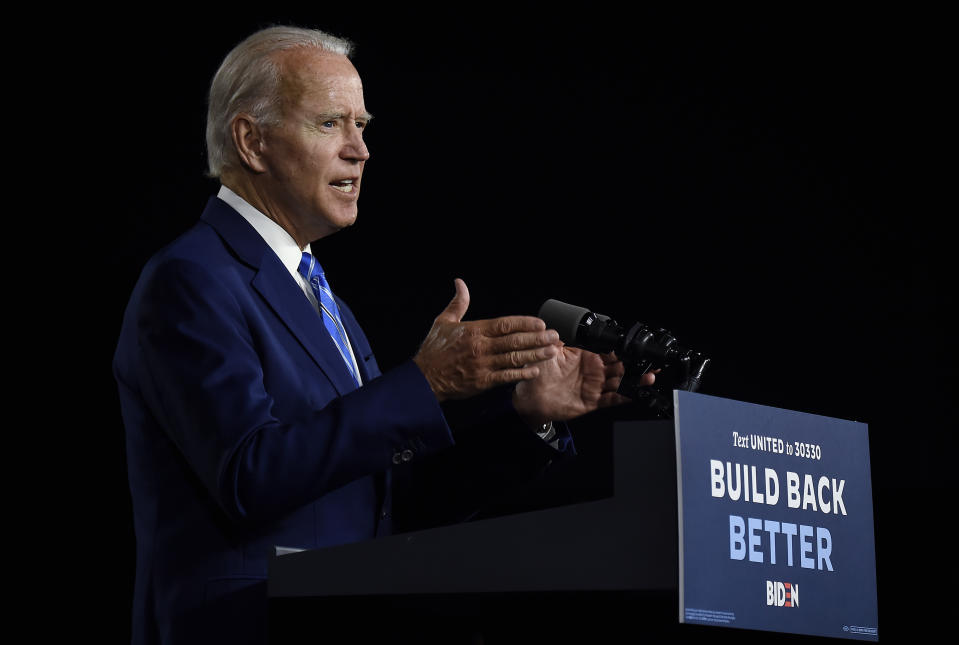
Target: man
[256, 414]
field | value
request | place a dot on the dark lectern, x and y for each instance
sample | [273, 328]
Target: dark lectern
[590, 572]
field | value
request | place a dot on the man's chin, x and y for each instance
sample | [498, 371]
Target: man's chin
[338, 223]
[347, 221]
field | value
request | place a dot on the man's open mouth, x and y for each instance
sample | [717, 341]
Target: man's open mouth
[343, 185]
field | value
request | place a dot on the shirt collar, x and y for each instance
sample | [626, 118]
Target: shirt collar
[272, 233]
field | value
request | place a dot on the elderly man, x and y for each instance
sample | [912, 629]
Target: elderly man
[256, 414]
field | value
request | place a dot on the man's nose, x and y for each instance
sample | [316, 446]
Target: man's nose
[355, 148]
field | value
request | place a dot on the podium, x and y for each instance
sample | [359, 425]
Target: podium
[767, 529]
[566, 574]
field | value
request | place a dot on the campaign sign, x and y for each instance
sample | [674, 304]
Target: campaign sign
[775, 520]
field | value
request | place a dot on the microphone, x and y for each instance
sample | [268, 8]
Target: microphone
[638, 346]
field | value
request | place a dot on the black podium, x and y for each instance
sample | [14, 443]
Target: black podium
[556, 575]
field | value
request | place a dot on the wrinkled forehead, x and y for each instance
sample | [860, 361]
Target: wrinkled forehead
[310, 74]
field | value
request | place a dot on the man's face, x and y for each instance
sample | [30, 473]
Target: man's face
[315, 156]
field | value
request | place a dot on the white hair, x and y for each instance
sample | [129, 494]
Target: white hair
[248, 81]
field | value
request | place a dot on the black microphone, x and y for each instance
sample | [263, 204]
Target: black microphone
[638, 346]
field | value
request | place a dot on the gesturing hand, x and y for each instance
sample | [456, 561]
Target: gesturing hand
[460, 359]
[571, 384]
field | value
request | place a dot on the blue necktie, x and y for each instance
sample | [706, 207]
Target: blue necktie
[311, 270]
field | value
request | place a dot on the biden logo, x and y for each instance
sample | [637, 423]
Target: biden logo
[782, 594]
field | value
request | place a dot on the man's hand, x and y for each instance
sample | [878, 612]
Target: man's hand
[460, 359]
[573, 383]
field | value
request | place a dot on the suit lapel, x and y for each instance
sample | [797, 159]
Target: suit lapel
[274, 284]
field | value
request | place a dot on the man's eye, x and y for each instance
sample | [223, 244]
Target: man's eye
[329, 124]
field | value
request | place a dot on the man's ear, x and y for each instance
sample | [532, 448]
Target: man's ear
[248, 140]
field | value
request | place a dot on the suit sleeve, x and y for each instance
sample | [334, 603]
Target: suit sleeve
[202, 376]
[495, 455]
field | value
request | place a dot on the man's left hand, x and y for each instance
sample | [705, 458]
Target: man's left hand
[571, 384]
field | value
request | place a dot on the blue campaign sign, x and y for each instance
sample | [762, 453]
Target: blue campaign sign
[775, 519]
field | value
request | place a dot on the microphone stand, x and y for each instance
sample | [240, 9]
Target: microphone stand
[686, 373]
[680, 369]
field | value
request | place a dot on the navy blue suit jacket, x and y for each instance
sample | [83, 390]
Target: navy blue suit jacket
[245, 431]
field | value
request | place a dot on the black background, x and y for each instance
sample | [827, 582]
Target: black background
[768, 186]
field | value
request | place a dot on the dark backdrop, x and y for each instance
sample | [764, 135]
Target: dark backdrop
[763, 185]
